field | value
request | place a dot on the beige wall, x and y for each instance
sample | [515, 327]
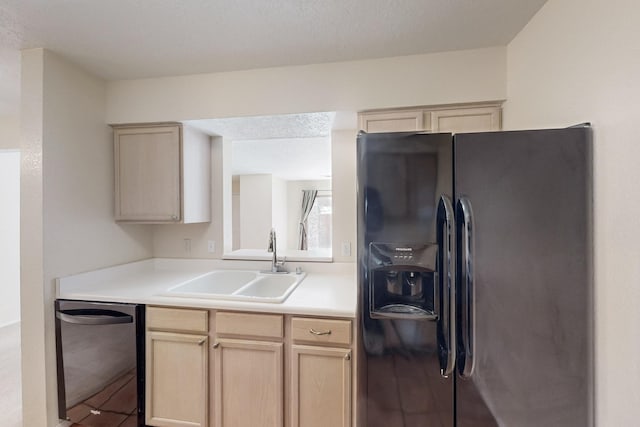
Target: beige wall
[442, 78]
[279, 214]
[9, 132]
[256, 210]
[343, 193]
[9, 237]
[579, 61]
[66, 209]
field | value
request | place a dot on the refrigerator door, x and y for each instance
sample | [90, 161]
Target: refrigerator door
[524, 278]
[402, 179]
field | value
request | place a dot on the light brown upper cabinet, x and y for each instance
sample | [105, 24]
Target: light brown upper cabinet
[393, 121]
[162, 174]
[478, 117]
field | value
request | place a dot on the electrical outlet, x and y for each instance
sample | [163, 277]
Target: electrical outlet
[211, 246]
[346, 248]
[187, 246]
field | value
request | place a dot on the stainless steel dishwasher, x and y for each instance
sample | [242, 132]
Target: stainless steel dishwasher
[100, 361]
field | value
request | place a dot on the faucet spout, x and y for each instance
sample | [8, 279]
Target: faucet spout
[276, 267]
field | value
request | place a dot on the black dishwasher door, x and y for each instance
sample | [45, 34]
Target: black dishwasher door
[100, 361]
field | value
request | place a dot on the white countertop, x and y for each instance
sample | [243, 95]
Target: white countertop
[327, 290]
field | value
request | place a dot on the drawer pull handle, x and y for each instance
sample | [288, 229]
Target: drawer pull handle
[314, 332]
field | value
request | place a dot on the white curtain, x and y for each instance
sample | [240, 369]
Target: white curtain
[308, 198]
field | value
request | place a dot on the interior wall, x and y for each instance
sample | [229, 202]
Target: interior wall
[279, 213]
[235, 213]
[67, 209]
[255, 210]
[343, 193]
[579, 61]
[9, 219]
[9, 132]
[437, 78]
[9, 237]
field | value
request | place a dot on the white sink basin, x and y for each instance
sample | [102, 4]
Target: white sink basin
[239, 285]
[216, 282]
[269, 286]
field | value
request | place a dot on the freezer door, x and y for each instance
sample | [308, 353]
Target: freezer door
[402, 179]
[524, 280]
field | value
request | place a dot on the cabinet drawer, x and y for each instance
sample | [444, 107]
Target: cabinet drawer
[321, 330]
[177, 319]
[259, 325]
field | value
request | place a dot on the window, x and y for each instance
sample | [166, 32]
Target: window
[319, 223]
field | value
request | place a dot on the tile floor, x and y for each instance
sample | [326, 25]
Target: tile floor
[10, 382]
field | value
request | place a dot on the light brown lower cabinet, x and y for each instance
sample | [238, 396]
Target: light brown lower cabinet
[235, 369]
[177, 379]
[248, 382]
[320, 386]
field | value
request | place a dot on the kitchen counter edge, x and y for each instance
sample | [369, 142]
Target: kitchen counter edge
[328, 290]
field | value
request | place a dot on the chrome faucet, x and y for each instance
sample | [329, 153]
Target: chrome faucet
[276, 267]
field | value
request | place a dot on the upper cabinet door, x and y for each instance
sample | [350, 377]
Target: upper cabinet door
[148, 171]
[392, 121]
[459, 120]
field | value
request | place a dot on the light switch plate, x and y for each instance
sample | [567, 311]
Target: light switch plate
[346, 249]
[211, 246]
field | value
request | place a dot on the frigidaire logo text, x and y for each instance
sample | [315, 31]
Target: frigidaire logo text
[404, 249]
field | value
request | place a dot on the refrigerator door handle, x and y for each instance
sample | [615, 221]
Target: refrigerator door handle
[446, 289]
[465, 288]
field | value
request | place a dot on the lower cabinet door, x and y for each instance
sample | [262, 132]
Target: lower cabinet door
[176, 379]
[320, 387]
[248, 383]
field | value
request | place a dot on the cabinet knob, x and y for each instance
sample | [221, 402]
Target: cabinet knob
[174, 217]
[347, 356]
[216, 345]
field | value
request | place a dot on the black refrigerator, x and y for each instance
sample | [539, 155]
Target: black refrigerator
[475, 279]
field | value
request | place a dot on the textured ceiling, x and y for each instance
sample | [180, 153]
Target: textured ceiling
[290, 159]
[124, 39]
[290, 146]
[306, 125]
